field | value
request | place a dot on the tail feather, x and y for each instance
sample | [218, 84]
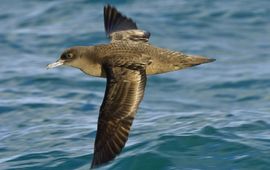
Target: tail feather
[194, 60]
[166, 61]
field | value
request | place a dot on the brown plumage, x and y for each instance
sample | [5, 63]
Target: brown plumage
[125, 62]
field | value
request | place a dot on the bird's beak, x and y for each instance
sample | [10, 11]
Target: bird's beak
[55, 64]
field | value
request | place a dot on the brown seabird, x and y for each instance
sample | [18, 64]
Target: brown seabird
[125, 62]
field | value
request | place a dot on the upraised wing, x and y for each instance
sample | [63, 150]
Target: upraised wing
[119, 27]
[124, 91]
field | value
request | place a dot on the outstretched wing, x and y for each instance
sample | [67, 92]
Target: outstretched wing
[119, 27]
[124, 91]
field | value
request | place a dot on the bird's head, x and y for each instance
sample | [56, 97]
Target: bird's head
[71, 57]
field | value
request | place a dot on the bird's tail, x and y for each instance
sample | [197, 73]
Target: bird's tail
[193, 60]
[167, 60]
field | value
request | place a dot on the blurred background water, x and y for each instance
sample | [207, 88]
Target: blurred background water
[213, 116]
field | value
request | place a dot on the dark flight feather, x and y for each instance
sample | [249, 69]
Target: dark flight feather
[115, 21]
[119, 27]
[124, 92]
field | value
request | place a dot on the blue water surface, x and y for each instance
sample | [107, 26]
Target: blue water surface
[213, 116]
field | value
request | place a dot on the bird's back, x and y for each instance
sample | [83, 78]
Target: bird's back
[157, 60]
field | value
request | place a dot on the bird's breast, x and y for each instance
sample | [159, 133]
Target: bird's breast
[93, 70]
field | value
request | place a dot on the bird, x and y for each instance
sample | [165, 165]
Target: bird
[125, 62]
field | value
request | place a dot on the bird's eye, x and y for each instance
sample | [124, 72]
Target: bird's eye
[69, 55]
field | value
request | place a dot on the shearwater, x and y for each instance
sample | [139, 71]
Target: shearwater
[125, 62]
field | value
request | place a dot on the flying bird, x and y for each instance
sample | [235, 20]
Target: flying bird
[125, 62]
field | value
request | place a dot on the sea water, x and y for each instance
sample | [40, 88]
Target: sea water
[212, 116]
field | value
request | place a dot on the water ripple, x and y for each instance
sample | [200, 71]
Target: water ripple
[213, 116]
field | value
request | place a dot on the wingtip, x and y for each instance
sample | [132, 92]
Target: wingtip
[115, 21]
[108, 6]
[94, 164]
[98, 163]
